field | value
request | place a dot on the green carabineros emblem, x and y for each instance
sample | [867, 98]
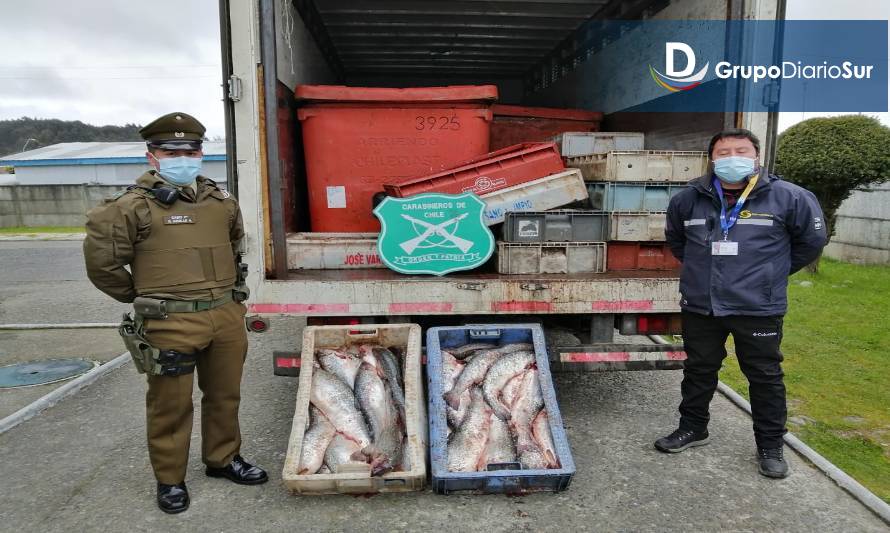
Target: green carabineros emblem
[433, 233]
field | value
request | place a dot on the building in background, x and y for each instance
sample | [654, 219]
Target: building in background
[862, 230]
[98, 163]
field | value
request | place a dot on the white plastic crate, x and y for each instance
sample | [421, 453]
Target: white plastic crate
[412, 476]
[642, 165]
[332, 251]
[642, 226]
[550, 192]
[551, 257]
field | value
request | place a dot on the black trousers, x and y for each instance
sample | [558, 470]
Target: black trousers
[757, 341]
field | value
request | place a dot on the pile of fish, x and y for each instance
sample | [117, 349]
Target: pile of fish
[495, 408]
[356, 412]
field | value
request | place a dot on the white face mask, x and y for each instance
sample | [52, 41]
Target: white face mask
[179, 171]
[734, 169]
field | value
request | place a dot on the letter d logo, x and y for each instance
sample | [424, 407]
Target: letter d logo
[679, 80]
[670, 50]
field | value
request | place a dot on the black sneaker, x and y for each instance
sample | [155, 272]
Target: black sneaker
[772, 464]
[681, 439]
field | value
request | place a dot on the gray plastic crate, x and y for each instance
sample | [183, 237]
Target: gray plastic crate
[556, 226]
[551, 257]
[573, 144]
[641, 165]
[646, 196]
[643, 226]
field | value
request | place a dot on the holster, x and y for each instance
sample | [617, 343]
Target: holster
[240, 293]
[147, 358]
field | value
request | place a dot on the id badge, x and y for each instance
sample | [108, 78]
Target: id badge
[724, 248]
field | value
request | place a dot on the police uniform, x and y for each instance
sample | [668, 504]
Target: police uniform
[182, 259]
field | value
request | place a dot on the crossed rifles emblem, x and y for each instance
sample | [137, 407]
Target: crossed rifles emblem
[435, 229]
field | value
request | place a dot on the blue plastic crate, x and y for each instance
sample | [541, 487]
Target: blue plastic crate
[499, 481]
[608, 196]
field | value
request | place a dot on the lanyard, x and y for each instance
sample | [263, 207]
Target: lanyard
[727, 222]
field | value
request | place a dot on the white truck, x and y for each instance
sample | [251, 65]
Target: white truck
[537, 53]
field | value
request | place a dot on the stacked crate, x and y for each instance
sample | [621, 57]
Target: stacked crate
[631, 188]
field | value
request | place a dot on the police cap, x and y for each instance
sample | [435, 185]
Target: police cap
[174, 131]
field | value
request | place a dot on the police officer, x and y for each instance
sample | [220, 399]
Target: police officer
[739, 234]
[179, 234]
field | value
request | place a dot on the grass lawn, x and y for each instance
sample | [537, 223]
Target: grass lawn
[28, 230]
[837, 368]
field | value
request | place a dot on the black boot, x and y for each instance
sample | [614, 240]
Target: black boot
[681, 439]
[772, 463]
[239, 471]
[173, 499]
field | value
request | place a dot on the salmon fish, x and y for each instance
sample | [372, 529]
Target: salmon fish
[502, 371]
[544, 438]
[499, 447]
[339, 363]
[474, 372]
[375, 401]
[467, 442]
[315, 442]
[335, 399]
[525, 408]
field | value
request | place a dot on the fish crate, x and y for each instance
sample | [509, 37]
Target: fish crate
[641, 165]
[642, 226]
[509, 481]
[645, 196]
[332, 251]
[640, 256]
[493, 171]
[551, 257]
[578, 143]
[556, 190]
[412, 477]
[556, 226]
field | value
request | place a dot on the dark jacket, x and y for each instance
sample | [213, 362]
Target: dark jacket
[781, 229]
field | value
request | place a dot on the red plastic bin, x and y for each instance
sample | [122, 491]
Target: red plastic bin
[515, 124]
[640, 256]
[488, 173]
[357, 138]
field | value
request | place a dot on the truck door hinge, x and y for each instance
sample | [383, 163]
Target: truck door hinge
[535, 286]
[471, 286]
[234, 88]
[771, 94]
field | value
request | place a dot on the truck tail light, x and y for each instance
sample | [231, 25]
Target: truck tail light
[650, 324]
[257, 324]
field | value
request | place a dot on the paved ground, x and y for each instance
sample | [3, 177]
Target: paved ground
[45, 282]
[82, 466]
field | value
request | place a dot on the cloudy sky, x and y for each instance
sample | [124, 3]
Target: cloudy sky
[111, 61]
[119, 61]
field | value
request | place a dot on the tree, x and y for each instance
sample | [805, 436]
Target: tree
[832, 157]
[14, 134]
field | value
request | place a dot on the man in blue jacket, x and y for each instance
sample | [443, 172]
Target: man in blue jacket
[739, 234]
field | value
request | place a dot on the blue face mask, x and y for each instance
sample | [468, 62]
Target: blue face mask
[734, 169]
[179, 171]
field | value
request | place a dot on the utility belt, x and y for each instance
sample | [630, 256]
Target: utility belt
[151, 360]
